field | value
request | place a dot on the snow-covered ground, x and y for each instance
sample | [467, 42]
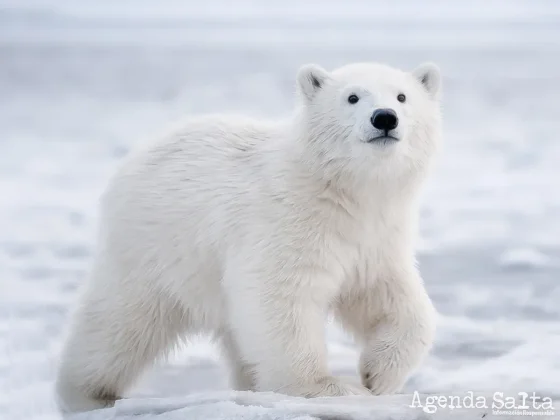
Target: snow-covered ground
[83, 82]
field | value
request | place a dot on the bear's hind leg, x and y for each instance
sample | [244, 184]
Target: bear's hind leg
[241, 373]
[113, 338]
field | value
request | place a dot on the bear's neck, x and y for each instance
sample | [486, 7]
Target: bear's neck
[303, 172]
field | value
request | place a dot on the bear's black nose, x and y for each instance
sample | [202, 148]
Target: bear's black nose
[385, 119]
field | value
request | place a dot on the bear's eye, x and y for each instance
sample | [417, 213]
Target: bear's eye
[401, 97]
[352, 99]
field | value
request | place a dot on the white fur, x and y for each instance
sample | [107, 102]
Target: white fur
[252, 231]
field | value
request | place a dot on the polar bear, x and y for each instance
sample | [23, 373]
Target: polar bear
[253, 231]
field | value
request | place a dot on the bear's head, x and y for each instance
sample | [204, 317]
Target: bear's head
[370, 120]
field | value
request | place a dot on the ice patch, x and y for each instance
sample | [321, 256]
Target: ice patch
[269, 406]
[523, 258]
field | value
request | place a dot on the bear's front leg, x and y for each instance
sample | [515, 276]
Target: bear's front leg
[394, 321]
[277, 316]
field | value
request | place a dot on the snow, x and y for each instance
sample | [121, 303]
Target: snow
[269, 406]
[81, 83]
[523, 257]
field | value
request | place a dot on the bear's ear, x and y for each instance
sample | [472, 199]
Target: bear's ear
[429, 75]
[310, 79]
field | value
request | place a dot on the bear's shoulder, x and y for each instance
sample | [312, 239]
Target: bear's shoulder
[220, 132]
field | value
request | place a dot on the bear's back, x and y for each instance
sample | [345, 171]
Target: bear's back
[203, 149]
[194, 178]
